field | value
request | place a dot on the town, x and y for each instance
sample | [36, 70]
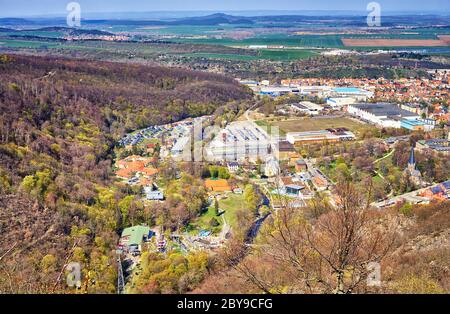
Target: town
[279, 154]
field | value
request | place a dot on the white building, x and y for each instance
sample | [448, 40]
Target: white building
[307, 107]
[275, 90]
[382, 114]
[339, 102]
[354, 92]
[311, 137]
[240, 141]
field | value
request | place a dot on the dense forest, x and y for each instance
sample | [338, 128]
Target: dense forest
[59, 120]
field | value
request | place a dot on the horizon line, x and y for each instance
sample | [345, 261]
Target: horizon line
[293, 12]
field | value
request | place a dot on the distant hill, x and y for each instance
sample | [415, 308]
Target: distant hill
[6, 30]
[343, 20]
[74, 31]
[11, 21]
[64, 30]
[213, 19]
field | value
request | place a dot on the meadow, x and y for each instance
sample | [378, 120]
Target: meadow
[316, 124]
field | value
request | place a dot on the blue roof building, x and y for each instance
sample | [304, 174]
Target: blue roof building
[437, 190]
[412, 125]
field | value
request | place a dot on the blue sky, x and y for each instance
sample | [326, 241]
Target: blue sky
[51, 7]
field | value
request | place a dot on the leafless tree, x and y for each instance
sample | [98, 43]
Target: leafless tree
[328, 254]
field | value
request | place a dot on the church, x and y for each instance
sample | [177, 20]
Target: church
[411, 170]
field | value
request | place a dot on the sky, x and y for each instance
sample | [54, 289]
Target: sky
[18, 8]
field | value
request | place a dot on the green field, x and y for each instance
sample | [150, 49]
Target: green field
[268, 127]
[265, 54]
[286, 55]
[231, 205]
[325, 41]
[314, 124]
[8, 43]
[203, 222]
[220, 56]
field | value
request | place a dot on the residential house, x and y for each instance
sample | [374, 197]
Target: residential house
[294, 190]
[133, 237]
[233, 167]
[301, 165]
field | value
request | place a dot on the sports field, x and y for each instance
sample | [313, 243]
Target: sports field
[317, 124]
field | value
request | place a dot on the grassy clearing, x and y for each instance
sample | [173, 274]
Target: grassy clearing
[286, 55]
[266, 54]
[268, 127]
[221, 56]
[232, 204]
[203, 222]
[313, 124]
[28, 44]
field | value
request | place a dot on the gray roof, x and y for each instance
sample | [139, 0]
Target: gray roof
[384, 109]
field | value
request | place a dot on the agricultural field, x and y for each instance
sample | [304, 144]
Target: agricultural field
[359, 42]
[221, 56]
[266, 54]
[31, 44]
[287, 40]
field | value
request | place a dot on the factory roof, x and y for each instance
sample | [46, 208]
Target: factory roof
[384, 109]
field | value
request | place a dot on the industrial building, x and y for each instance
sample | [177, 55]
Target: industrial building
[339, 102]
[275, 90]
[437, 145]
[319, 91]
[383, 114]
[241, 141]
[311, 137]
[413, 125]
[357, 93]
[307, 107]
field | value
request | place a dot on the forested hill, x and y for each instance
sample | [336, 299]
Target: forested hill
[59, 119]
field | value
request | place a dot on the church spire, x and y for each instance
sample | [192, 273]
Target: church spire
[412, 158]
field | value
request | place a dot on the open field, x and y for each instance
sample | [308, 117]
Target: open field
[231, 205]
[221, 56]
[266, 54]
[203, 222]
[270, 128]
[314, 124]
[286, 40]
[9, 43]
[360, 42]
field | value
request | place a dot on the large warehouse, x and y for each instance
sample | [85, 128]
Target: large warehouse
[357, 93]
[311, 137]
[241, 141]
[383, 114]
